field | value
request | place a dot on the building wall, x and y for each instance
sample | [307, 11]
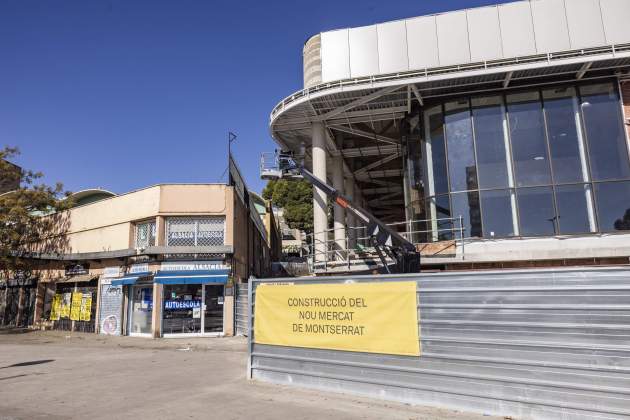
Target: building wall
[107, 225]
[503, 31]
[10, 183]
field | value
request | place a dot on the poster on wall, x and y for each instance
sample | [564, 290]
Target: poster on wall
[55, 310]
[75, 309]
[111, 309]
[66, 301]
[86, 307]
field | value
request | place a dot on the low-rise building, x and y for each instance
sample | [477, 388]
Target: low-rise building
[160, 261]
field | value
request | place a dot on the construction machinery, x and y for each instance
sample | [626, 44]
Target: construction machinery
[386, 241]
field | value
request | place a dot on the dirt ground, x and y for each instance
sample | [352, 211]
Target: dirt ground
[59, 375]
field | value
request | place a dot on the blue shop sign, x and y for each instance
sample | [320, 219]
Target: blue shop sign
[175, 305]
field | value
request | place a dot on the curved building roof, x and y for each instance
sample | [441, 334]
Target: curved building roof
[375, 73]
[89, 196]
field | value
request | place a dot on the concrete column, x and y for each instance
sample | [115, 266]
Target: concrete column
[339, 212]
[350, 219]
[320, 201]
[156, 314]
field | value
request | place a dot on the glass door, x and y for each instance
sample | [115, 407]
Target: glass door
[213, 309]
[140, 310]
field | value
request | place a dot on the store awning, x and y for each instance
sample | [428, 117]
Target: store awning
[130, 278]
[192, 277]
[78, 279]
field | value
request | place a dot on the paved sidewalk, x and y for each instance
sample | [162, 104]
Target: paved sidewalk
[58, 375]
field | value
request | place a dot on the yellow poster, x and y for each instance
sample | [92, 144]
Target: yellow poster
[86, 307]
[363, 317]
[55, 310]
[66, 301]
[75, 310]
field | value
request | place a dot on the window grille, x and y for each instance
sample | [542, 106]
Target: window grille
[145, 234]
[184, 231]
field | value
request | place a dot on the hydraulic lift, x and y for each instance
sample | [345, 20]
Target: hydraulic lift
[386, 241]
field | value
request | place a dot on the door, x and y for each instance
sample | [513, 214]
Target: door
[213, 309]
[140, 309]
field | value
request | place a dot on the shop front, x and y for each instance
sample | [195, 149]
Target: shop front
[70, 302]
[137, 285]
[193, 298]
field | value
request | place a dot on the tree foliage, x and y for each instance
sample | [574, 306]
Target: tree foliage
[32, 219]
[295, 197]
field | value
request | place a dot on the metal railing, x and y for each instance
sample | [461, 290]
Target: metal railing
[353, 246]
[427, 72]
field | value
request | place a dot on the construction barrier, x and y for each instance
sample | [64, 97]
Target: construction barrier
[551, 343]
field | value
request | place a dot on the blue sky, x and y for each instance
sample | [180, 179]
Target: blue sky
[123, 94]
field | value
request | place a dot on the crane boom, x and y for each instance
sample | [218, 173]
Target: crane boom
[385, 240]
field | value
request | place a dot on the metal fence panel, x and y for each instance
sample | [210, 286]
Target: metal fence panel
[242, 307]
[527, 343]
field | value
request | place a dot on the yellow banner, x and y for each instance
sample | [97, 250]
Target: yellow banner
[55, 310]
[86, 307]
[66, 301]
[363, 317]
[75, 310]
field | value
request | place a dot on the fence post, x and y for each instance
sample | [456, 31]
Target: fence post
[461, 235]
[250, 319]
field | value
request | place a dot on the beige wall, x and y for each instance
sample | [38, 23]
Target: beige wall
[107, 225]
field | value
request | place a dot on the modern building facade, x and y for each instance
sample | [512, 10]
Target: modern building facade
[157, 262]
[494, 136]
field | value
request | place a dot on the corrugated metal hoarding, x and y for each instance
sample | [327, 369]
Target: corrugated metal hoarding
[530, 343]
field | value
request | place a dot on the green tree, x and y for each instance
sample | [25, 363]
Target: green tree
[295, 197]
[32, 219]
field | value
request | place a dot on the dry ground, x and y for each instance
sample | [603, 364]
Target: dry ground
[57, 375]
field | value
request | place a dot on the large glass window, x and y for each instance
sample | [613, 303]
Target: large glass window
[466, 204]
[536, 211]
[613, 206]
[459, 145]
[443, 228]
[438, 151]
[490, 142]
[564, 143]
[546, 161]
[187, 231]
[497, 214]
[527, 132]
[182, 309]
[573, 214]
[605, 132]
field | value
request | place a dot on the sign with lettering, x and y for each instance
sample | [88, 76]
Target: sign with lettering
[75, 309]
[138, 268]
[362, 317]
[77, 269]
[174, 305]
[192, 265]
[110, 272]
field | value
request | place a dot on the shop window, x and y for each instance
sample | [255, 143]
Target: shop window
[459, 145]
[613, 205]
[496, 214]
[607, 145]
[145, 234]
[184, 231]
[488, 115]
[537, 215]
